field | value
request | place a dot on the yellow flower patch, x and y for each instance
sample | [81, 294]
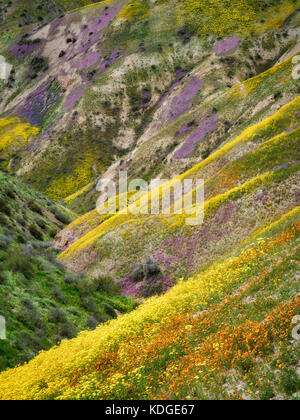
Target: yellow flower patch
[14, 135]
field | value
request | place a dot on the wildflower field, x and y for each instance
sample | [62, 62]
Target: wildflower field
[108, 295]
[224, 333]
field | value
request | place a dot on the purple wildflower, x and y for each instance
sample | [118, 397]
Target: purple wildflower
[88, 61]
[205, 127]
[73, 98]
[37, 104]
[182, 102]
[23, 49]
[111, 59]
[91, 33]
[285, 165]
[226, 45]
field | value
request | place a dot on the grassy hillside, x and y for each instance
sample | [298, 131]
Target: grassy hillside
[224, 333]
[17, 14]
[42, 302]
[240, 16]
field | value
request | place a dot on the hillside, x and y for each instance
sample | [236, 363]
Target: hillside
[133, 303]
[253, 179]
[15, 14]
[100, 83]
[42, 302]
[224, 333]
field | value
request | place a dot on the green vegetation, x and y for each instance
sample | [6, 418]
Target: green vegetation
[228, 328]
[237, 16]
[156, 307]
[43, 302]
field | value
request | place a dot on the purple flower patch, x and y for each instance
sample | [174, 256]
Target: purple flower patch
[179, 76]
[91, 33]
[109, 60]
[137, 290]
[129, 287]
[181, 103]
[23, 49]
[226, 45]
[73, 98]
[36, 105]
[291, 129]
[185, 252]
[165, 259]
[285, 165]
[88, 61]
[187, 127]
[205, 127]
[91, 59]
[146, 94]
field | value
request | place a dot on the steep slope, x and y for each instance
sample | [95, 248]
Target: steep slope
[41, 301]
[15, 14]
[253, 178]
[226, 333]
[170, 90]
[103, 80]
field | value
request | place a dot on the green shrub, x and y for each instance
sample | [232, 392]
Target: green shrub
[53, 231]
[18, 261]
[106, 284]
[5, 240]
[4, 206]
[4, 221]
[67, 330]
[92, 323]
[61, 217]
[9, 192]
[58, 315]
[290, 382]
[35, 232]
[40, 222]
[57, 294]
[109, 310]
[2, 276]
[35, 207]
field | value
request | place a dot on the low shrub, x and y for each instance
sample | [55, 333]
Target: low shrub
[2, 276]
[92, 323]
[35, 232]
[58, 315]
[67, 330]
[109, 310]
[4, 206]
[35, 207]
[61, 217]
[106, 284]
[18, 261]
